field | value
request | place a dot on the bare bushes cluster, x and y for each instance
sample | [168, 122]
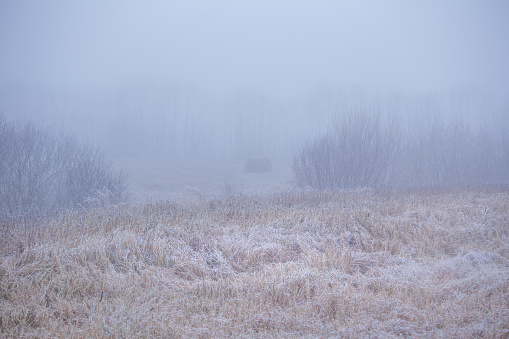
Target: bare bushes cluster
[358, 151]
[453, 154]
[42, 172]
[362, 151]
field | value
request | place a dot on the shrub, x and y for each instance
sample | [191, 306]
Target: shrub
[358, 151]
[362, 151]
[42, 172]
[452, 154]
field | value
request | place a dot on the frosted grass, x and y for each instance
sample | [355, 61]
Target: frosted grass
[347, 264]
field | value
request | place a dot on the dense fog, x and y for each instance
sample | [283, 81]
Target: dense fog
[156, 120]
[254, 168]
[238, 80]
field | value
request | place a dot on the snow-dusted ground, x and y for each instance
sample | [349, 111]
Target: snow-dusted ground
[152, 179]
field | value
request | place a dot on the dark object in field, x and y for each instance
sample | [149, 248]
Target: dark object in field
[258, 165]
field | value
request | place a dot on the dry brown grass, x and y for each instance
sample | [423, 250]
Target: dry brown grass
[351, 264]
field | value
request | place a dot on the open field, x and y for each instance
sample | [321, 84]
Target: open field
[152, 179]
[297, 264]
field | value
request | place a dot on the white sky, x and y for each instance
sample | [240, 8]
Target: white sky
[277, 47]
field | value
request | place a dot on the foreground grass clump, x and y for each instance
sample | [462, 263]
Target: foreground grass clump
[350, 264]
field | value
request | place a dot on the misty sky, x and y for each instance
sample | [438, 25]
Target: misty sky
[278, 47]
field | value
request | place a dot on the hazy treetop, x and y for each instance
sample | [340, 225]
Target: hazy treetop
[279, 47]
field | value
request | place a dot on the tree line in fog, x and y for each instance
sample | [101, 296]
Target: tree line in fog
[174, 121]
[336, 142]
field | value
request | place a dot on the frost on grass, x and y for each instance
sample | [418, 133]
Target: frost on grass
[307, 263]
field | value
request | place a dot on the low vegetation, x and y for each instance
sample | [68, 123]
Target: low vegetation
[42, 172]
[367, 149]
[318, 264]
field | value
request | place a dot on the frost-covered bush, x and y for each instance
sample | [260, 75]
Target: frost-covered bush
[358, 151]
[445, 155]
[363, 151]
[43, 172]
[88, 177]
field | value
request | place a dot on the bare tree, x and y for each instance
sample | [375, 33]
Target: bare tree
[33, 167]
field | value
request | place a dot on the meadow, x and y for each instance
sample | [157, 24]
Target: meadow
[363, 263]
[153, 179]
